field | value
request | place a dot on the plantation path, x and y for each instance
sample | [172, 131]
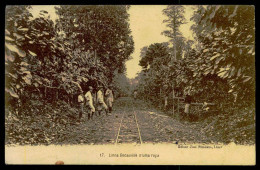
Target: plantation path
[134, 122]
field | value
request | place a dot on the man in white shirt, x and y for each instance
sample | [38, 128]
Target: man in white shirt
[100, 101]
[81, 104]
[110, 98]
[89, 103]
[135, 94]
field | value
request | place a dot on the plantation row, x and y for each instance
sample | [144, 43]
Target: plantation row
[48, 60]
[217, 67]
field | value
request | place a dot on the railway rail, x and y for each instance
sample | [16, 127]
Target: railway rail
[129, 131]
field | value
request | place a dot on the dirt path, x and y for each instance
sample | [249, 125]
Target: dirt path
[133, 122]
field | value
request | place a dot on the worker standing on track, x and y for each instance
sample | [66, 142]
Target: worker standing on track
[100, 101]
[109, 98]
[187, 102]
[89, 103]
[135, 94]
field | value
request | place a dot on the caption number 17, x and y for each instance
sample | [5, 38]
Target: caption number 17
[102, 155]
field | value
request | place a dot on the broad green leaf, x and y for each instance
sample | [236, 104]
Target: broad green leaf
[239, 72]
[219, 59]
[212, 14]
[13, 75]
[7, 38]
[23, 29]
[205, 50]
[234, 12]
[232, 72]
[36, 84]
[218, 38]
[33, 54]
[222, 73]
[7, 32]
[39, 81]
[215, 56]
[14, 48]
[225, 75]
[63, 79]
[251, 50]
[24, 63]
[24, 70]
[246, 79]
[217, 7]
[46, 33]
[27, 80]
[18, 36]
[221, 70]
[27, 36]
[207, 72]
[11, 92]
[21, 53]
[9, 57]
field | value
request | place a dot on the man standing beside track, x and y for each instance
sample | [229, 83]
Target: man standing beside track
[89, 103]
[100, 101]
[109, 98]
[135, 94]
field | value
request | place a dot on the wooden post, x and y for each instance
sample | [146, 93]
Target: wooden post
[143, 95]
[45, 92]
[178, 106]
[57, 94]
[173, 100]
[160, 99]
[95, 55]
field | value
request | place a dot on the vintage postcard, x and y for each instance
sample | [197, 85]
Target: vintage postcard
[130, 84]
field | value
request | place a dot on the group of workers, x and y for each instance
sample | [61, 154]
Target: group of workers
[86, 102]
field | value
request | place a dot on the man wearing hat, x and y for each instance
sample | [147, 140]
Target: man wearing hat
[89, 103]
[100, 101]
[110, 98]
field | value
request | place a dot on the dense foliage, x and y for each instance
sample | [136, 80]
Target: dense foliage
[217, 67]
[121, 85]
[103, 29]
[87, 45]
[49, 62]
[220, 68]
[227, 36]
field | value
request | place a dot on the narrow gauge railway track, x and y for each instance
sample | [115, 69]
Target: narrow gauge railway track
[129, 131]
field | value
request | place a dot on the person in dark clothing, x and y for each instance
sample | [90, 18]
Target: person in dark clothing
[187, 101]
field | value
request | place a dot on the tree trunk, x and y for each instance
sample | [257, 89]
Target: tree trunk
[174, 36]
[57, 94]
[160, 104]
[178, 109]
[45, 92]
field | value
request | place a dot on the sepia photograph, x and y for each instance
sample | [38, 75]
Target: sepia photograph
[130, 84]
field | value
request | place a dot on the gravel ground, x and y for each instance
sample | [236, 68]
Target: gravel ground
[154, 127]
